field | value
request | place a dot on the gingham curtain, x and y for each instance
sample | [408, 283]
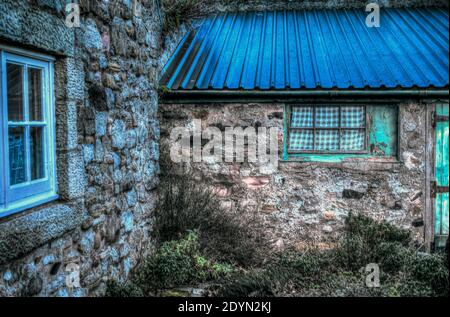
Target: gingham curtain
[327, 117]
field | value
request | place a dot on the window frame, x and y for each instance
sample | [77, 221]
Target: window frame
[18, 197]
[314, 129]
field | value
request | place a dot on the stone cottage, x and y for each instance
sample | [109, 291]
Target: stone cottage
[361, 110]
[79, 129]
[79, 143]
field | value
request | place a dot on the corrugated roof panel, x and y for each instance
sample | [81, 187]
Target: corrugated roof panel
[316, 49]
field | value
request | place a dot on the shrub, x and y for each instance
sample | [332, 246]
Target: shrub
[404, 272]
[185, 204]
[255, 283]
[365, 241]
[129, 289]
[393, 256]
[373, 232]
[431, 269]
[175, 263]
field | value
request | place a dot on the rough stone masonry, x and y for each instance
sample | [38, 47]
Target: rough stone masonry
[107, 147]
[304, 202]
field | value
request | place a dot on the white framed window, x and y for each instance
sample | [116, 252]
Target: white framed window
[27, 131]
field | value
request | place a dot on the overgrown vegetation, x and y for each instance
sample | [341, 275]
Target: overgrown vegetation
[340, 272]
[177, 12]
[227, 236]
[200, 241]
[175, 263]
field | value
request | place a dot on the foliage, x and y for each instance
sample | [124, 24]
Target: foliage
[404, 272]
[128, 289]
[185, 204]
[365, 241]
[175, 263]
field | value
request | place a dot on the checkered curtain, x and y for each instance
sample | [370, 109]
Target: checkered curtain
[348, 136]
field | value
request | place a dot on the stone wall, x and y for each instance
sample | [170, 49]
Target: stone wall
[107, 147]
[304, 202]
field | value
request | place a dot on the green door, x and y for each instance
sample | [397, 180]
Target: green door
[440, 187]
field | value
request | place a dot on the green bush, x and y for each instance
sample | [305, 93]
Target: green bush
[365, 241]
[178, 263]
[185, 204]
[175, 263]
[374, 232]
[431, 269]
[393, 256]
[339, 272]
[129, 289]
[255, 283]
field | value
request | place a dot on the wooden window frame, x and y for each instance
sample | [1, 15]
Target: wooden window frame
[18, 197]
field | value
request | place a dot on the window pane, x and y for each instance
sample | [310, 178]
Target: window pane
[301, 140]
[35, 93]
[302, 117]
[352, 117]
[327, 117]
[352, 140]
[17, 158]
[327, 140]
[37, 153]
[15, 92]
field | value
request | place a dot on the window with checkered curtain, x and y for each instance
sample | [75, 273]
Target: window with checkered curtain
[327, 129]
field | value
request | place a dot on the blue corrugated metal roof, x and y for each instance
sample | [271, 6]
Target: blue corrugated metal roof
[280, 50]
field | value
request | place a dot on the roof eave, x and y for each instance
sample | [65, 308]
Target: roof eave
[208, 96]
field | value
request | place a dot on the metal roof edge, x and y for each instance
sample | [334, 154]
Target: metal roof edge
[210, 96]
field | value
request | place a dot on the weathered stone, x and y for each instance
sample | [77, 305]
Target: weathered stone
[118, 134]
[91, 37]
[256, 182]
[27, 232]
[34, 286]
[106, 107]
[352, 194]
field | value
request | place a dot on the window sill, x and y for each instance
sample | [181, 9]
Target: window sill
[360, 163]
[28, 203]
[339, 158]
[25, 232]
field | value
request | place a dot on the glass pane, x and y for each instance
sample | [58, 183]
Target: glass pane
[37, 153]
[17, 158]
[301, 140]
[352, 140]
[327, 140]
[15, 92]
[327, 117]
[35, 93]
[302, 117]
[352, 117]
